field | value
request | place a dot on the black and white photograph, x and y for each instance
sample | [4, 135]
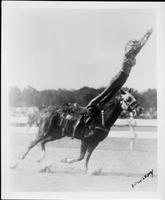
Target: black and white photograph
[81, 87]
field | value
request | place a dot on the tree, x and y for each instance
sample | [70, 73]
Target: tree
[29, 96]
[150, 99]
[15, 96]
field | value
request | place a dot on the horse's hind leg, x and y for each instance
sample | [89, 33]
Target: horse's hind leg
[43, 142]
[32, 144]
[81, 157]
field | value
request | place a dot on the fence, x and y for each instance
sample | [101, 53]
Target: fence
[145, 128]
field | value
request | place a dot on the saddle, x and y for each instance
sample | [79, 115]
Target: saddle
[68, 113]
[88, 120]
[93, 112]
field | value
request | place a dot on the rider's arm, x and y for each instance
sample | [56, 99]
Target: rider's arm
[133, 47]
[145, 37]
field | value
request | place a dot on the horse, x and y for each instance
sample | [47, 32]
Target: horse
[34, 119]
[50, 128]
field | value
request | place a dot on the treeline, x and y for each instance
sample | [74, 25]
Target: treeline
[29, 96]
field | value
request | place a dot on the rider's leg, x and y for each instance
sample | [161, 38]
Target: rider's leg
[116, 83]
[132, 48]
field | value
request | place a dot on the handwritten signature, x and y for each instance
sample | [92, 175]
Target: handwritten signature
[144, 177]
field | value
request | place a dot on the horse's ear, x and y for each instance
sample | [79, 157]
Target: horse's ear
[130, 90]
[122, 91]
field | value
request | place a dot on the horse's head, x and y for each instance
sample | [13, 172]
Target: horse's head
[129, 103]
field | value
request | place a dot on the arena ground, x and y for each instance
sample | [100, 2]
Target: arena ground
[112, 167]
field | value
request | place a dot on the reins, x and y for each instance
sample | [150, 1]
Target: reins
[102, 129]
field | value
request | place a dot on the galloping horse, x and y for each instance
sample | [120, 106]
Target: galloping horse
[91, 132]
[50, 128]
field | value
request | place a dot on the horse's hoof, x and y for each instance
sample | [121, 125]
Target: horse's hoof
[97, 172]
[46, 169]
[40, 160]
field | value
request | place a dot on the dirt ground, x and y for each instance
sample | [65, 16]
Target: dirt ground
[112, 167]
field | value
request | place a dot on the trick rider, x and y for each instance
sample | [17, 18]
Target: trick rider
[132, 48]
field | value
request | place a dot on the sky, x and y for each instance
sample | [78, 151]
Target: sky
[51, 47]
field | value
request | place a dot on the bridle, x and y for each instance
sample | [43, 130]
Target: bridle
[132, 105]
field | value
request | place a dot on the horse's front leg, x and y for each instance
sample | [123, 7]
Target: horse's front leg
[90, 149]
[83, 150]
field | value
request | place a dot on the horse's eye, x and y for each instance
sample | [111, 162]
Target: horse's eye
[129, 99]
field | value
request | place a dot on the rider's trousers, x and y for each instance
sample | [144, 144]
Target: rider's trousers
[115, 84]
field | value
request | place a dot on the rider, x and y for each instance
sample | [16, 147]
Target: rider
[132, 48]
